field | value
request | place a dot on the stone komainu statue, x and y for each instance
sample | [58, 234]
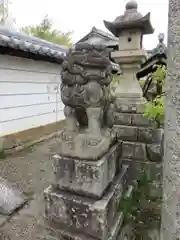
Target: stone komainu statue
[85, 92]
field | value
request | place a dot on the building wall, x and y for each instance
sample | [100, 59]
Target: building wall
[29, 94]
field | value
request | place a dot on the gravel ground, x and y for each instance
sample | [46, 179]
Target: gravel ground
[31, 172]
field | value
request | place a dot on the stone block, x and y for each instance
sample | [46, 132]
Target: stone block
[87, 177]
[10, 198]
[159, 135]
[154, 152]
[126, 133]
[129, 105]
[140, 120]
[145, 134]
[56, 234]
[136, 168]
[134, 150]
[87, 216]
[129, 119]
[122, 118]
[150, 135]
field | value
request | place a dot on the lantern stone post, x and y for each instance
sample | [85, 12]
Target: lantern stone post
[130, 28]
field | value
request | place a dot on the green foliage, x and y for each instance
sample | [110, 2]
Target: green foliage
[45, 31]
[159, 75]
[141, 82]
[154, 110]
[142, 210]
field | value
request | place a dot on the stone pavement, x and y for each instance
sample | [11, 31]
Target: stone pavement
[31, 172]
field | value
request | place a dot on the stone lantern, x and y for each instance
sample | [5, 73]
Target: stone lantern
[130, 28]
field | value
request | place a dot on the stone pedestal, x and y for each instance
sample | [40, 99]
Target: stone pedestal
[83, 203]
[78, 215]
[89, 178]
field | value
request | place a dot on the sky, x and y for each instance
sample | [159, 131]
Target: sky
[80, 16]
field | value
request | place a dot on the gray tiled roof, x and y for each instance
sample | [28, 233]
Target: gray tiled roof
[105, 34]
[21, 41]
[107, 38]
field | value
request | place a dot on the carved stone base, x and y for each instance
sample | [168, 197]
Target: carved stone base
[88, 178]
[55, 234]
[84, 145]
[91, 218]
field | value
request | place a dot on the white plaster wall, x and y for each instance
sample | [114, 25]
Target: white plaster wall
[29, 94]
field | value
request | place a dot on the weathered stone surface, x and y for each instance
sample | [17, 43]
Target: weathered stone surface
[86, 215]
[140, 120]
[122, 118]
[140, 134]
[153, 170]
[56, 234]
[129, 105]
[154, 152]
[131, 119]
[150, 135]
[170, 225]
[84, 145]
[134, 150]
[10, 198]
[159, 136]
[145, 135]
[126, 133]
[87, 177]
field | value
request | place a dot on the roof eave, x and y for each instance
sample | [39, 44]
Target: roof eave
[142, 23]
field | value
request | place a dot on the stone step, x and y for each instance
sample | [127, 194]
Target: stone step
[139, 134]
[88, 178]
[90, 217]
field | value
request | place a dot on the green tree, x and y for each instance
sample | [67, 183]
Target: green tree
[45, 31]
